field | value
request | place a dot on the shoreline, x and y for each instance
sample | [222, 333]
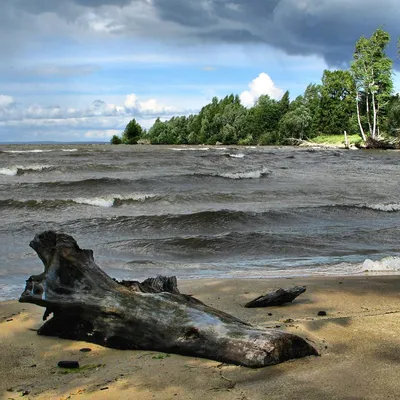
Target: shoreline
[243, 275]
[357, 340]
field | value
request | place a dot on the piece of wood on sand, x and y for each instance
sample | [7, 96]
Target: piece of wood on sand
[89, 305]
[277, 298]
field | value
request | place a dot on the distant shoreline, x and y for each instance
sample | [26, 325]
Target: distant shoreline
[49, 142]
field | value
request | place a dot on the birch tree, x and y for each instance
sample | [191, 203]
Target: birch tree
[372, 73]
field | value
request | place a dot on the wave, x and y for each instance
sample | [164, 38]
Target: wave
[252, 174]
[20, 169]
[392, 207]
[190, 148]
[205, 222]
[114, 200]
[237, 155]
[27, 151]
[387, 264]
[247, 245]
[37, 151]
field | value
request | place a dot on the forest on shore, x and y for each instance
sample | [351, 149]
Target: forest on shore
[358, 100]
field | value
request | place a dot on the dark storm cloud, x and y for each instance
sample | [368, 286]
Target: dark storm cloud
[188, 13]
[41, 6]
[233, 36]
[328, 28]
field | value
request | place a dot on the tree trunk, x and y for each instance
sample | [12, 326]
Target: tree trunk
[359, 121]
[374, 116]
[346, 141]
[368, 114]
[88, 305]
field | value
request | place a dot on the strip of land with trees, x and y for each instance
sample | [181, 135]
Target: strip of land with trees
[359, 100]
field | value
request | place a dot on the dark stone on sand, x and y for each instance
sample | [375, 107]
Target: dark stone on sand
[321, 313]
[68, 364]
[85, 350]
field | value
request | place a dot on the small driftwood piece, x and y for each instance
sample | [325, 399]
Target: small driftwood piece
[88, 305]
[277, 298]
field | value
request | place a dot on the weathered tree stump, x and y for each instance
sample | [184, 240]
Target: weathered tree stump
[89, 305]
[277, 298]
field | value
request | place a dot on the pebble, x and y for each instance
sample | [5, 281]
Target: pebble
[85, 350]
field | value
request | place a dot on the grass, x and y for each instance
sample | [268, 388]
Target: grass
[161, 356]
[336, 139]
[84, 368]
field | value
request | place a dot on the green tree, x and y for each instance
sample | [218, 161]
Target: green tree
[393, 120]
[312, 100]
[115, 140]
[372, 73]
[295, 124]
[284, 104]
[132, 132]
[337, 102]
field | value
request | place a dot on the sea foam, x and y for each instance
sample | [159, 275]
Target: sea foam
[387, 264]
[383, 207]
[27, 151]
[190, 148]
[20, 169]
[113, 199]
[253, 174]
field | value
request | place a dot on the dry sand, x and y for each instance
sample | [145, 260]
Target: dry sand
[359, 342]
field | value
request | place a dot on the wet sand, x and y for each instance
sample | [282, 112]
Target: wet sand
[359, 342]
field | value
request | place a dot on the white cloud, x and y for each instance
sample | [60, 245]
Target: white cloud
[261, 85]
[149, 107]
[99, 121]
[132, 108]
[6, 101]
[105, 134]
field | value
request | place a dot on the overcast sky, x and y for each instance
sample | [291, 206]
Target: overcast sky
[76, 70]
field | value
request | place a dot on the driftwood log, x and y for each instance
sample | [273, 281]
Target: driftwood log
[381, 144]
[277, 298]
[89, 305]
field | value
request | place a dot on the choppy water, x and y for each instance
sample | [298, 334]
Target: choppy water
[201, 211]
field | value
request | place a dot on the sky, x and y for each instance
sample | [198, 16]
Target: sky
[79, 70]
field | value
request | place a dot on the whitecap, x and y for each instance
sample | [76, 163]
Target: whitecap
[69, 150]
[190, 148]
[383, 207]
[27, 151]
[387, 264]
[11, 171]
[238, 155]
[18, 169]
[34, 167]
[254, 174]
[96, 201]
[111, 200]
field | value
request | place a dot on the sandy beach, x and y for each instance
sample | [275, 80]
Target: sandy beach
[358, 341]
